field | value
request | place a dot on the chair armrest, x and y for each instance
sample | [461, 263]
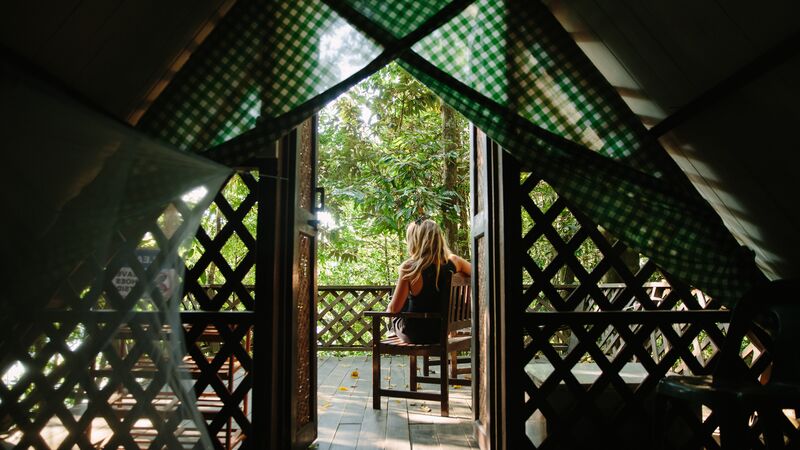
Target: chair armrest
[410, 315]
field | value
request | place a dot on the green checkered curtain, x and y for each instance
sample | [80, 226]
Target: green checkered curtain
[275, 63]
[511, 69]
[217, 95]
[508, 66]
[515, 55]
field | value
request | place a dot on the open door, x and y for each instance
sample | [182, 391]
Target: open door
[485, 327]
[295, 361]
[304, 289]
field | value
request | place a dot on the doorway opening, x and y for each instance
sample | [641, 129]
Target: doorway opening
[390, 152]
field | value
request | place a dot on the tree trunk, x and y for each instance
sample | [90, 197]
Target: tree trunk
[450, 170]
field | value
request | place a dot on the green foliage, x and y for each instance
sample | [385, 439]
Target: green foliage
[234, 251]
[381, 161]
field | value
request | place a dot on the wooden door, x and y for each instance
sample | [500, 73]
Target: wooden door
[487, 369]
[304, 289]
[295, 360]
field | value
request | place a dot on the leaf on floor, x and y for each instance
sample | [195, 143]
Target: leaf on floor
[401, 365]
[424, 408]
[387, 378]
[343, 388]
[354, 373]
[456, 387]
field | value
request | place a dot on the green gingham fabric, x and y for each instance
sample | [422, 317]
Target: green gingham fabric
[304, 34]
[399, 17]
[511, 69]
[317, 49]
[218, 93]
[517, 55]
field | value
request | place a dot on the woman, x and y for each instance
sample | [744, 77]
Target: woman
[422, 276]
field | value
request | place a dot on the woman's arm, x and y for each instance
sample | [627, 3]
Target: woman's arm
[462, 265]
[399, 296]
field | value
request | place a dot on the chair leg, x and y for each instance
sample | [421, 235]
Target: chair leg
[376, 377]
[445, 391]
[426, 366]
[453, 365]
[413, 365]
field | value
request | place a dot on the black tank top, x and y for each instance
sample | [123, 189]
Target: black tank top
[428, 299]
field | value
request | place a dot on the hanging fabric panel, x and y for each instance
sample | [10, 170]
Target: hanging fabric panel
[94, 249]
[217, 95]
[510, 68]
[233, 82]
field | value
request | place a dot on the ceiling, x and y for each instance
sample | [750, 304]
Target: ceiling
[116, 54]
[739, 146]
[739, 151]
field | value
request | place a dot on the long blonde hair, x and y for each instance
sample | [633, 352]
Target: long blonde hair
[426, 245]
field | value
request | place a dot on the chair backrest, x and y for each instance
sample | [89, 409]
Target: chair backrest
[459, 311]
[771, 313]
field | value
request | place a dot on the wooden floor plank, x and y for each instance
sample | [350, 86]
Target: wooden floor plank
[397, 432]
[451, 436]
[347, 420]
[373, 426]
[467, 429]
[358, 382]
[346, 436]
[332, 402]
[423, 436]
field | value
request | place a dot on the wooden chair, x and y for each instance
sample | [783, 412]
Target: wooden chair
[454, 316]
[772, 314]
[461, 313]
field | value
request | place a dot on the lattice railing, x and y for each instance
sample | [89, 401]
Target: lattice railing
[593, 351]
[219, 298]
[95, 369]
[98, 365]
[341, 324]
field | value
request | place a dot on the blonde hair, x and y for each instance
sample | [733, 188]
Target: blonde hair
[426, 245]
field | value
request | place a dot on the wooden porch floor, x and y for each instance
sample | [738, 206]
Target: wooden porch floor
[347, 420]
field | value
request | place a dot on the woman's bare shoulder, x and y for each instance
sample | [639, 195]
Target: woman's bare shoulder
[462, 265]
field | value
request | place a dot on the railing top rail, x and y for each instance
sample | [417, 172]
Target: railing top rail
[355, 288]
